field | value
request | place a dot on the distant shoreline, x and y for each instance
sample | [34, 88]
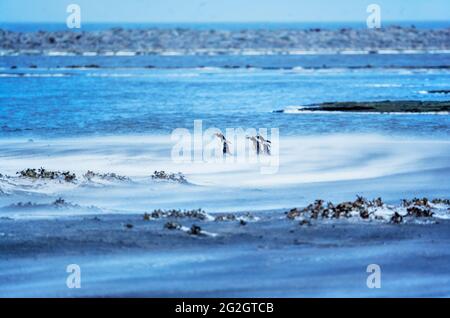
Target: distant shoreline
[220, 25]
[181, 41]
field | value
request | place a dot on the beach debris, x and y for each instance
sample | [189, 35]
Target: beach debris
[419, 211]
[195, 230]
[90, 175]
[364, 214]
[305, 222]
[42, 173]
[176, 177]
[244, 218]
[396, 218]
[418, 207]
[59, 202]
[416, 202]
[329, 210]
[369, 209]
[293, 213]
[172, 226]
[194, 214]
[225, 217]
[441, 201]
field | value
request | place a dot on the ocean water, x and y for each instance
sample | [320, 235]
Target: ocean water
[124, 96]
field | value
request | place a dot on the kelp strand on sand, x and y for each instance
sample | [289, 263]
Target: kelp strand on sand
[42, 173]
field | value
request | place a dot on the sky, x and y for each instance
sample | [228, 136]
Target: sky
[223, 10]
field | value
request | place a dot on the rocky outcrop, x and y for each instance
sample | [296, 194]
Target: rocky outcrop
[386, 106]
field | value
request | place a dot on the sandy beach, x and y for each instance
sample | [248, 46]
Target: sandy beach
[272, 257]
[111, 226]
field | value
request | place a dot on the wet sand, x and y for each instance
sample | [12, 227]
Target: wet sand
[270, 257]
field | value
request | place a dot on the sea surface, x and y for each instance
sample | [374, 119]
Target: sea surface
[47, 97]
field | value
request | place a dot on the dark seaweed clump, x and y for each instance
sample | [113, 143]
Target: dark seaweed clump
[415, 208]
[172, 226]
[397, 218]
[418, 207]
[233, 217]
[441, 201]
[176, 177]
[195, 230]
[195, 214]
[105, 176]
[42, 173]
[320, 209]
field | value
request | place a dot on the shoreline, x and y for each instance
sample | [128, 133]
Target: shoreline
[221, 52]
[130, 42]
